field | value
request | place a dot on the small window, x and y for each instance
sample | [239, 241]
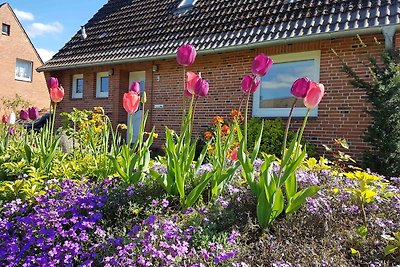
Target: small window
[5, 29]
[23, 70]
[102, 84]
[77, 86]
[185, 5]
[273, 99]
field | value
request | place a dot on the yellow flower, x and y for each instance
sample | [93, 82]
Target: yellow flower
[99, 110]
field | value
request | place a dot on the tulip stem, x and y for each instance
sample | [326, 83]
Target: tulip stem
[245, 120]
[302, 127]
[184, 96]
[53, 122]
[130, 129]
[193, 113]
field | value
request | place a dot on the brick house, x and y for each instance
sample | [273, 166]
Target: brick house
[137, 40]
[18, 62]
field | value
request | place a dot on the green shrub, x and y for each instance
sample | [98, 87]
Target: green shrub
[383, 135]
[272, 138]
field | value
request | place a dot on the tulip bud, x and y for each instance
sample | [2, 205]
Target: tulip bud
[23, 115]
[135, 87]
[314, 95]
[11, 131]
[300, 87]
[201, 88]
[12, 118]
[57, 94]
[4, 119]
[52, 83]
[131, 102]
[186, 55]
[143, 98]
[33, 113]
[250, 84]
[261, 65]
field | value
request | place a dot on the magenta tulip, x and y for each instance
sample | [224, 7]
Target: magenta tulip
[314, 95]
[201, 88]
[57, 94]
[135, 87]
[11, 131]
[131, 102]
[186, 55]
[33, 113]
[250, 84]
[261, 65]
[52, 83]
[300, 87]
[23, 115]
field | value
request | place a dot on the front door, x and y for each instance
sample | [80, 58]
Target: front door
[138, 76]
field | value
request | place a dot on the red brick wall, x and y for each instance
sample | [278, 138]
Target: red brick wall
[341, 114]
[14, 46]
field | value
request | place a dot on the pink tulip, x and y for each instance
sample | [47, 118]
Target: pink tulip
[191, 80]
[23, 115]
[201, 88]
[135, 87]
[131, 102]
[188, 94]
[234, 155]
[186, 55]
[33, 113]
[250, 84]
[314, 95]
[4, 119]
[52, 83]
[300, 87]
[261, 65]
[57, 94]
[11, 131]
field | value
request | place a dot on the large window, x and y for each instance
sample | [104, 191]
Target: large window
[77, 86]
[102, 84]
[23, 70]
[273, 99]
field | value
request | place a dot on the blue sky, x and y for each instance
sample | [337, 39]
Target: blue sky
[52, 23]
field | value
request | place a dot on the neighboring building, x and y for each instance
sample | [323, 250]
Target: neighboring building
[137, 40]
[18, 62]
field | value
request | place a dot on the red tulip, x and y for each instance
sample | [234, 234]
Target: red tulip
[135, 87]
[191, 80]
[300, 87]
[131, 102]
[23, 115]
[261, 65]
[186, 55]
[52, 83]
[314, 95]
[4, 119]
[57, 94]
[250, 84]
[201, 88]
[234, 155]
[33, 113]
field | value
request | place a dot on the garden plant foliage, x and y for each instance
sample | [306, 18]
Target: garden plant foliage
[101, 201]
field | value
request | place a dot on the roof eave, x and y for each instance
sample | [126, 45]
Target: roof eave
[290, 40]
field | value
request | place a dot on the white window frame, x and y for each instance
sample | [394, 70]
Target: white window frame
[75, 78]
[100, 94]
[284, 112]
[30, 70]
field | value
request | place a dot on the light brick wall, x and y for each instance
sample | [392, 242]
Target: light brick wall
[341, 114]
[17, 45]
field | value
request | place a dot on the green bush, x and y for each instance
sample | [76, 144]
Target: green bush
[272, 138]
[383, 135]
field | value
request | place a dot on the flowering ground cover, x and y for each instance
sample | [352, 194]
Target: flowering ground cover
[106, 202]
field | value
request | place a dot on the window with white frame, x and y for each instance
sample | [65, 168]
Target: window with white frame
[102, 84]
[5, 29]
[77, 86]
[273, 99]
[23, 70]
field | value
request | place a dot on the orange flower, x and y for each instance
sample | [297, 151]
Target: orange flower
[208, 135]
[225, 130]
[218, 119]
[236, 114]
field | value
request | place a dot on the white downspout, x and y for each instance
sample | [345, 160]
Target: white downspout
[388, 33]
